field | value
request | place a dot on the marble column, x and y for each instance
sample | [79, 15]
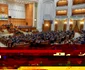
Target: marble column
[70, 3]
[53, 25]
[34, 15]
[40, 20]
[68, 24]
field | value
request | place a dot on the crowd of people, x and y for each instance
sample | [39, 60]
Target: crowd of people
[52, 37]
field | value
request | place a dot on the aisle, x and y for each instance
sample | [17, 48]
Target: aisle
[2, 45]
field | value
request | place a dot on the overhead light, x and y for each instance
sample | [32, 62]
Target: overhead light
[46, 24]
[69, 22]
[56, 22]
[65, 22]
[82, 22]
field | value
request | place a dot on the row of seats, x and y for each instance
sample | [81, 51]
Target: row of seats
[38, 61]
[74, 50]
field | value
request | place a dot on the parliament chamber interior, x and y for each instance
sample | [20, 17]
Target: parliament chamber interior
[42, 33]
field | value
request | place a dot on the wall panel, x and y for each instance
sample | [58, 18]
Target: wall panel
[3, 22]
[17, 10]
[29, 14]
[46, 26]
[16, 22]
[4, 9]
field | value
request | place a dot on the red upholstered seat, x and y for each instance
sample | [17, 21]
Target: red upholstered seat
[82, 47]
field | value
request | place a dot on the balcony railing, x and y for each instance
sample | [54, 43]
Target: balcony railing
[62, 3]
[76, 2]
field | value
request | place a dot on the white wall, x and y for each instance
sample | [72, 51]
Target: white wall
[16, 10]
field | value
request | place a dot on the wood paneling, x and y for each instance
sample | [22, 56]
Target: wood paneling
[3, 22]
[78, 2]
[64, 28]
[60, 25]
[81, 27]
[76, 27]
[28, 29]
[78, 11]
[29, 14]
[45, 27]
[62, 3]
[3, 9]
[56, 27]
[61, 13]
[71, 26]
[14, 21]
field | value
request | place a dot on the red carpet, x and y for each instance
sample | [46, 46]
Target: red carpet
[52, 49]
